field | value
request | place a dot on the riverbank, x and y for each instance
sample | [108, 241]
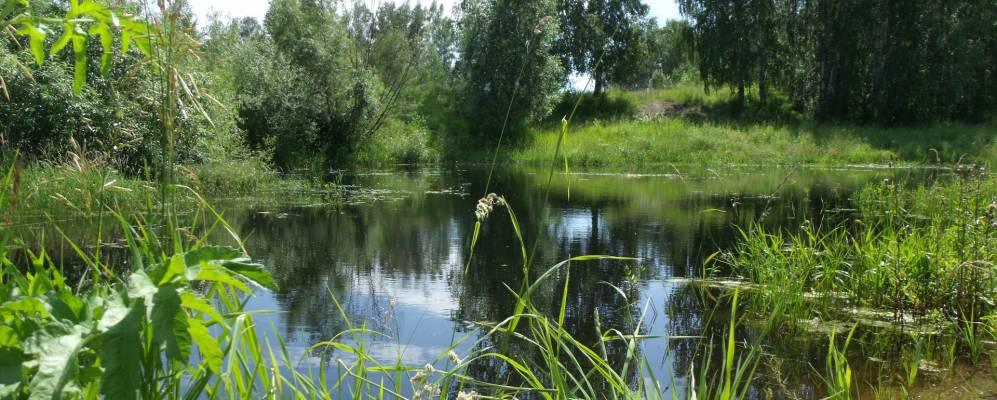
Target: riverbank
[44, 187]
[685, 125]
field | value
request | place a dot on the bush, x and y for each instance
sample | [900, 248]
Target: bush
[399, 142]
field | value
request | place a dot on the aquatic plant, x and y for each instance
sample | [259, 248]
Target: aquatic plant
[838, 373]
[911, 252]
[735, 375]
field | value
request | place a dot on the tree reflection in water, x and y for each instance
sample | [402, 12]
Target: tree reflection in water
[398, 263]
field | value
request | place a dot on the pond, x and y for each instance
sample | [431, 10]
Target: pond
[394, 254]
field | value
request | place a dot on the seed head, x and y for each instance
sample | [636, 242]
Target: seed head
[421, 376]
[487, 204]
[467, 395]
[454, 358]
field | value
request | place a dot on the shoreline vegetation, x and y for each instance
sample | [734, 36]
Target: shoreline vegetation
[623, 130]
[685, 125]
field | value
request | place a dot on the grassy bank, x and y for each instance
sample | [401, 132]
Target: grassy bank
[686, 125]
[87, 187]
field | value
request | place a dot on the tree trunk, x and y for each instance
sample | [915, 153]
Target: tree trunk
[597, 77]
[763, 90]
[740, 97]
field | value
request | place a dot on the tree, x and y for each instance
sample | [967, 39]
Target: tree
[85, 91]
[666, 58]
[506, 65]
[882, 61]
[301, 95]
[603, 38]
[732, 42]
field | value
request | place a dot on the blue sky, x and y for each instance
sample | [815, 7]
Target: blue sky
[663, 9]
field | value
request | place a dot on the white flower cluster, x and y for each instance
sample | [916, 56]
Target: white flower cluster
[487, 204]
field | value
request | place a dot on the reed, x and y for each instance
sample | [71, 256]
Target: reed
[911, 251]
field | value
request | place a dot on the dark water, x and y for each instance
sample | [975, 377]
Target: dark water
[394, 255]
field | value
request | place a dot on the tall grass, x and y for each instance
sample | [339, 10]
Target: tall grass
[914, 258]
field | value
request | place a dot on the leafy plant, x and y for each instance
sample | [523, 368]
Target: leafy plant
[81, 22]
[122, 334]
[838, 373]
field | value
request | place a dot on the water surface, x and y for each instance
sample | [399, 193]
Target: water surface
[393, 253]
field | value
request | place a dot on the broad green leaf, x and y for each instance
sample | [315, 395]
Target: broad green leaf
[232, 260]
[169, 322]
[126, 41]
[54, 348]
[93, 10]
[254, 272]
[144, 44]
[140, 286]
[26, 305]
[211, 255]
[79, 63]
[115, 311]
[212, 273]
[134, 31]
[36, 39]
[176, 267]
[121, 350]
[207, 345]
[106, 42]
[11, 377]
[39, 284]
[196, 303]
[64, 306]
[8, 338]
[63, 41]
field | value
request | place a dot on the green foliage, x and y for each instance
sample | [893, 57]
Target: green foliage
[733, 43]
[885, 62]
[606, 39]
[667, 62]
[81, 22]
[734, 377]
[915, 252]
[109, 336]
[317, 78]
[399, 142]
[119, 117]
[508, 74]
[837, 373]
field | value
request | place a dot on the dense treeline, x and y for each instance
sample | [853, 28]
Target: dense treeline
[889, 62]
[320, 83]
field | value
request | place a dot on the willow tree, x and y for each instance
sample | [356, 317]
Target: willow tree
[733, 41]
[603, 38]
[507, 70]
